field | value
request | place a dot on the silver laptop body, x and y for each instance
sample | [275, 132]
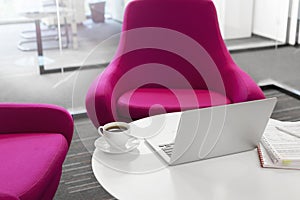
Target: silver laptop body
[212, 132]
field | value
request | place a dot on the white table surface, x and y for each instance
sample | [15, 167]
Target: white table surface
[141, 174]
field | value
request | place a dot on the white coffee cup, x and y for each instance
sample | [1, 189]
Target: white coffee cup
[116, 134]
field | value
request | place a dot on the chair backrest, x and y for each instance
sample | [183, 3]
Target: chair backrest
[173, 23]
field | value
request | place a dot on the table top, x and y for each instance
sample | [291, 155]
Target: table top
[141, 174]
[46, 12]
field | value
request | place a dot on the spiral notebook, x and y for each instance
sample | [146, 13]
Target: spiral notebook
[280, 145]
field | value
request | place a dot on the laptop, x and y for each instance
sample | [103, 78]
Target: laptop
[212, 132]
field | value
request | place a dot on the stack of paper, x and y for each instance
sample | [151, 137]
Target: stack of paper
[280, 145]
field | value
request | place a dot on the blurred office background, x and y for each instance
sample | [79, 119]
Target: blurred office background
[262, 36]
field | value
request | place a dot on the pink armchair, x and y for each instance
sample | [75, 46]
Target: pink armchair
[171, 57]
[34, 140]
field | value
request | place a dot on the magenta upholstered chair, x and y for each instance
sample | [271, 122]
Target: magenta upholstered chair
[34, 140]
[171, 57]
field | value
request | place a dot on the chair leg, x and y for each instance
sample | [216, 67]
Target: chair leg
[22, 44]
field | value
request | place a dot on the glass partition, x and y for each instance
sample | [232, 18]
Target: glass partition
[44, 41]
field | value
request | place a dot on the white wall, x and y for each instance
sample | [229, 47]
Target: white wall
[239, 18]
[117, 8]
[271, 19]
[235, 18]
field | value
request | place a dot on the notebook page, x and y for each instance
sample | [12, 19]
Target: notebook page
[292, 128]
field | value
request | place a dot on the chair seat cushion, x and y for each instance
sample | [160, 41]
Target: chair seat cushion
[30, 162]
[143, 102]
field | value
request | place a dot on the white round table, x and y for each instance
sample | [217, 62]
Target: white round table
[141, 174]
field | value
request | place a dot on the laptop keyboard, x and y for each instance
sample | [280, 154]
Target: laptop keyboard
[167, 148]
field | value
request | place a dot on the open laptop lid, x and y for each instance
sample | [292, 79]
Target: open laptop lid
[221, 130]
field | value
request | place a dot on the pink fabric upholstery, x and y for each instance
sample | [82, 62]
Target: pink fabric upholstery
[158, 42]
[34, 140]
[138, 102]
[6, 196]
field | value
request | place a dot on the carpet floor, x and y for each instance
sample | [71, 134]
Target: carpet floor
[280, 64]
[78, 181]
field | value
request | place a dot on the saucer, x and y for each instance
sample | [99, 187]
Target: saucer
[104, 146]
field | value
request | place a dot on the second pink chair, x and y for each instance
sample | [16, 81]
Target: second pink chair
[34, 141]
[171, 57]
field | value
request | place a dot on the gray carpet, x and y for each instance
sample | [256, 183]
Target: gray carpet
[282, 64]
[287, 107]
[78, 181]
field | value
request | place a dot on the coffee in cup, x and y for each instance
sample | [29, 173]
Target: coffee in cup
[116, 129]
[116, 134]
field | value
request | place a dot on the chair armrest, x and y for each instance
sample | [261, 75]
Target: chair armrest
[35, 118]
[240, 86]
